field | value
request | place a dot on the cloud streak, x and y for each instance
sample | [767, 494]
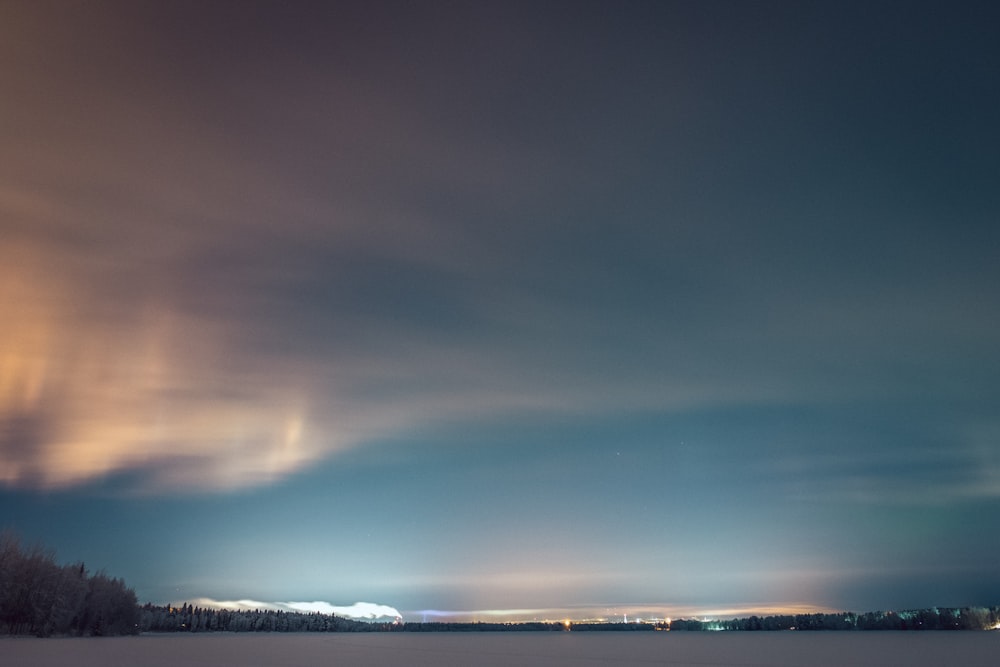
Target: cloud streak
[93, 386]
[214, 280]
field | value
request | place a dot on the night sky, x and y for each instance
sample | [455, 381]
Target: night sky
[513, 309]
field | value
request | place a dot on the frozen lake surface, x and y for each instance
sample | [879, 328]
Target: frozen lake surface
[526, 649]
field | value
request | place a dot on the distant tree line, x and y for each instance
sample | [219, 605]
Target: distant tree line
[446, 626]
[934, 618]
[188, 618]
[614, 627]
[40, 597]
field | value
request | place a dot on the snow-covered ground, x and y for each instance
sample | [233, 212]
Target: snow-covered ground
[766, 649]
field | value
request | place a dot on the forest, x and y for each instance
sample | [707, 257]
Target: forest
[188, 618]
[934, 618]
[39, 597]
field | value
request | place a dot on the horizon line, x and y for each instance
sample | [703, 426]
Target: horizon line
[556, 614]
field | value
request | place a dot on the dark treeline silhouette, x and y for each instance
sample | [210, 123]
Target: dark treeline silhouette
[40, 597]
[188, 618]
[615, 627]
[943, 618]
[935, 618]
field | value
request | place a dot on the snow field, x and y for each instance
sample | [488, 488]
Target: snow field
[675, 649]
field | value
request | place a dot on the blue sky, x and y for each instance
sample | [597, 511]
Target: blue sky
[569, 307]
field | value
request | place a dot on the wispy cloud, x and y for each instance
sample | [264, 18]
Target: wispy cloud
[93, 386]
[213, 279]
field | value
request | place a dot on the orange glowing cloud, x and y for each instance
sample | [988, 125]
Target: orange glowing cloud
[89, 389]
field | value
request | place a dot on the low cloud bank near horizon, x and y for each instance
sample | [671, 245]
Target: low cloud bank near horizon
[358, 610]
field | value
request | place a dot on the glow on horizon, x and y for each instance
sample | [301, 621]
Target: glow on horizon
[616, 613]
[576, 614]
